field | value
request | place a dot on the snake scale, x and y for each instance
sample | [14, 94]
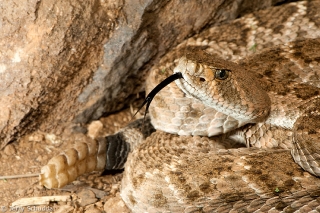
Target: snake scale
[258, 87]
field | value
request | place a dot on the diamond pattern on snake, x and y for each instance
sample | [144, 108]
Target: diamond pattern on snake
[253, 83]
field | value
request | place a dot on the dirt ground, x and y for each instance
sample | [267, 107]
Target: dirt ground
[91, 193]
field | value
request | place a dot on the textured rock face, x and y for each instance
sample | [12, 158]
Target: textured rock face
[72, 61]
[49, 50]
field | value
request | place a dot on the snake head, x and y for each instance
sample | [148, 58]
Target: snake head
[223, 85]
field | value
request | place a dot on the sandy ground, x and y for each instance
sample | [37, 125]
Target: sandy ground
[89, 193]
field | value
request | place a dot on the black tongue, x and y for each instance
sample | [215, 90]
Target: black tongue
[157, 89]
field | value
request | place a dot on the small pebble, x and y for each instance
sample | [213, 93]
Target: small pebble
[9, 150]
[114, 188]
[52, 139]
[86, 197]
[20, 192]
[36, 137]
[99, 204]
[115, 205]
[94, 129]
[93, 210]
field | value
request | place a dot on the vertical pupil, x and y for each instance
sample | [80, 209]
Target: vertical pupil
[222, 73]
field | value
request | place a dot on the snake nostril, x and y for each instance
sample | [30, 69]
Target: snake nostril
[202, 79]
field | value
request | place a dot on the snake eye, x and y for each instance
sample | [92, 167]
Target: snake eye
[222, 74]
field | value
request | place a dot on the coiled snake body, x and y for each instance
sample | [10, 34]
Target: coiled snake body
[268, 99]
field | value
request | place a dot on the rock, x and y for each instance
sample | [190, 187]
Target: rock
[49, 49]
[20, 192]
[94, 128]
[53, 139]
[10, 150]
[115, 205]
[36, 137]
[86, 197]
[93, 210]
[99, 193]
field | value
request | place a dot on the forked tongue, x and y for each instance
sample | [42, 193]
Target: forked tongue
[157, 89]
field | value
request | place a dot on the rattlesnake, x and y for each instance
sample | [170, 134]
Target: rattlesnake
[270, 98]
